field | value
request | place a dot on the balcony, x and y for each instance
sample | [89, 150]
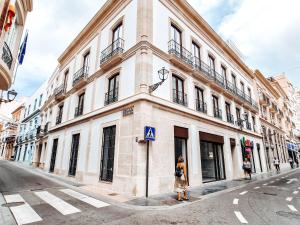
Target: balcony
[240, 123]
[218, 113]
[201, 106]
[273, 107]
[180, 56]
[230, 118]
[264, 100]
[59, 92]
[80, 77]
[248, 125]
[78, 111]
[111, 96]
[7, 56]
[58, 119]
[207, 75]
[5, 67]
[112, 54]
[179, 97]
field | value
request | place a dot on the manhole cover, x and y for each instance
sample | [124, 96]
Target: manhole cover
[113, 194]
[288, 214]
[13, 204]
[266, 193]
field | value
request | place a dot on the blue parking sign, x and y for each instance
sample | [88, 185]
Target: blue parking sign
[149, 133]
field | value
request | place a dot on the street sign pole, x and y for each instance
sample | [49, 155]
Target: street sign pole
[147, 169]
[149, 136]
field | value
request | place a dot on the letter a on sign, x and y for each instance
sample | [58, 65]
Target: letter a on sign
[149, 134]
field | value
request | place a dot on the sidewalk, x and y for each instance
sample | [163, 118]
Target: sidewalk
[161, 201]
[198, 193]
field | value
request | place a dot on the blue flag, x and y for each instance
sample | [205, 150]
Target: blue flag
[23, 50]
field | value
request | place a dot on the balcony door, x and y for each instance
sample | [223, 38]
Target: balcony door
[53, 155]
[117, 32]
[196, 53]
[178, 90]
[113, 85]
[215, 104]
[80, 103]
[228, 112]
[233, 79]
[200, 99]
[86, 62]
[66, 79]
[176, 34]
[108, 154]
[74, 154]
[211, 63]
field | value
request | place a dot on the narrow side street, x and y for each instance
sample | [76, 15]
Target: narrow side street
[34, 199]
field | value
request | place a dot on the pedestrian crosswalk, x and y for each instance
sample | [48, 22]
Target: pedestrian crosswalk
[25, 214]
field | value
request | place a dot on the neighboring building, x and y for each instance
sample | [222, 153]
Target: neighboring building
[12, 19]
[290, 107]
[273, 116]
[9, 118]
[29, 127]
[99, 101]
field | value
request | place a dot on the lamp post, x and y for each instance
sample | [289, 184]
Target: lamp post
[163, 74]
[11, 95]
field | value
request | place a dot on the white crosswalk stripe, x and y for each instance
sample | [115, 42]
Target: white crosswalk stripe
[57, 203]
[89, 200]
[23, 214]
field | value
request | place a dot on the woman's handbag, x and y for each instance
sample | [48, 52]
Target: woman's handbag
[178, 172]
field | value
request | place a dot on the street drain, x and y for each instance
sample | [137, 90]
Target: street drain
[113, 194]
[14, 204]
[36, 189]
[266, 193]
[288, 214]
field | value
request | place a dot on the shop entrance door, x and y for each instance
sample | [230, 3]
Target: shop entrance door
[108, 154]
[53, 155]
[180, 150]
[212, 161]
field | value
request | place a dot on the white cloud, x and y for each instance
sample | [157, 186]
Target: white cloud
[52, 25]
[268, 34]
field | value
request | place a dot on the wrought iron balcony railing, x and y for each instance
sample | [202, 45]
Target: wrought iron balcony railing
[115, 48]
[7, 56]
[201, 106]
[230, 118]
[80, 75]
[58, 119]
[180, 52]
[248, 125]
[111, 96]
[217, 113]
[179, 97]
[78, 111]
[59, 90]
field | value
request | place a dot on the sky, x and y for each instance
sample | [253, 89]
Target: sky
[267, 32]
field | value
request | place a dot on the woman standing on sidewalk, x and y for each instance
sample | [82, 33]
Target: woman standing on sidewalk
[247, 168]
[181, 179]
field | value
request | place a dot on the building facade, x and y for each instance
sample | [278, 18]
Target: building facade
[101, 97]
[12, 20]
[291, 112]
[25, 145]
[274, 119]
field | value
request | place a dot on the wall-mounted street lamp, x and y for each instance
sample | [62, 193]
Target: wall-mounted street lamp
[163, 75]
[11, 95]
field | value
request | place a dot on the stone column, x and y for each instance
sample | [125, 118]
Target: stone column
[144, 57]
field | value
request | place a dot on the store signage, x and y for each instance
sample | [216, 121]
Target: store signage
[128, 111]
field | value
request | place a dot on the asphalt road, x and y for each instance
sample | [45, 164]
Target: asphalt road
[272, 201]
